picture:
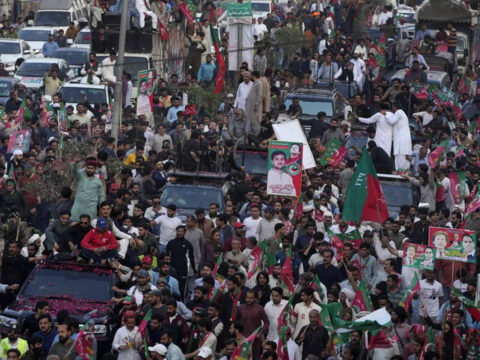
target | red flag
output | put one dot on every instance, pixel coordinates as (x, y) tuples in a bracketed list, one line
[(221, 70), (436, 155), (186, 12), (19, 117), (215, 269), (287, 272), (84, 345), (411, 291), (242, 349), (257, 255), (164, 35)]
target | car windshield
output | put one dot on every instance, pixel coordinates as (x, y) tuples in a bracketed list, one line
[(33, 69), (397, 195), (263, 7), (254, 163), (460, 44), (83, 38), (75, 95), (191, 197), (9, 48), (52, 18), (78, 284), (34, 35), (5, 87), (132, 65), (71, 56), (408, 17), (313, 106)]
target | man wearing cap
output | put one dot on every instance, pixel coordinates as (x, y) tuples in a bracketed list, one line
[(158, 352), (13, 341), (99, 245), (205, 353), (90, 193), (128, 340), (142, 286)]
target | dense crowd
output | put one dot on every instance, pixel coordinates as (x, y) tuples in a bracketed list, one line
[(80, 195)]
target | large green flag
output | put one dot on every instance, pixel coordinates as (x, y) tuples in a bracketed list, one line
[(364, 200), (241, 351)]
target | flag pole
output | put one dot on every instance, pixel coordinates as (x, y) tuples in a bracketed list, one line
[(378, 214)]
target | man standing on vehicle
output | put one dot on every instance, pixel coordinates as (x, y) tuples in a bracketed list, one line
[(168, 226), (402, 140), (108, 66), (99, 244), (52, 82), (49, 47)]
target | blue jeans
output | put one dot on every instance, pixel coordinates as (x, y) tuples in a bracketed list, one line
[(162, 248), (90, 254)]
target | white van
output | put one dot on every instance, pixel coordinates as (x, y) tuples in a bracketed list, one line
[(260, 8), (59, 13)]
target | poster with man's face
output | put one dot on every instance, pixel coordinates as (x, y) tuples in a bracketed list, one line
[(145, 87), (419, 256), (284, 168), (454, 244), (19, 140)]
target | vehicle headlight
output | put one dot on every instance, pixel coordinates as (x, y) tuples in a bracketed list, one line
[(7, 322)]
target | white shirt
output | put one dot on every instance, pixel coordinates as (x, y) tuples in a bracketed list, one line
[(150, 213), (135, 291), (108, 67), (242, 94), (273, 312), (259, 30), (384, 132), (383, 17), (280, 183), (430, 295), (131, 338), (300, 314), (168, 228), (251, 226), (426, 117)]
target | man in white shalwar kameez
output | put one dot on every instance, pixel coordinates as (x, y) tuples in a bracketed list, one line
[(384, 132), (402, 141), (144, 10), (359, 70), (243, 91)]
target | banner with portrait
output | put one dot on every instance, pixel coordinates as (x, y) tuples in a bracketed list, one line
[(19, 140), (419, 256), (453, 244), (145, 87), (284, 175)]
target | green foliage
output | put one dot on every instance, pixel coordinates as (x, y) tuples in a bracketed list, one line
[(290, 38)]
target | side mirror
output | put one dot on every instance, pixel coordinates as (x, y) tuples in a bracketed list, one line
[(69, 41), (27, 52)]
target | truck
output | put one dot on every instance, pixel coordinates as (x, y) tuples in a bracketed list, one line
[(59, 13)]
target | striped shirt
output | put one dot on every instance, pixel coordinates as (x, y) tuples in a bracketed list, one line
[(452, 38)]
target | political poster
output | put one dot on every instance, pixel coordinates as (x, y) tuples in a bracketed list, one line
[(453, 244), (419, 256), (284, 175), (19, 140), (146, 84)]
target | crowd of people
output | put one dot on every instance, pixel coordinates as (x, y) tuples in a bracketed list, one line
[(82, 196)]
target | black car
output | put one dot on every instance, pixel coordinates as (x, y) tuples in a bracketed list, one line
[(84, 290)]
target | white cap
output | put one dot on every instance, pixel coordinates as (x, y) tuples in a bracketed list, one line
[(308, 208), (230, 95), (52, 138), (205, 352), (327, 213), (34, 238), (17, 152), (159, 349)]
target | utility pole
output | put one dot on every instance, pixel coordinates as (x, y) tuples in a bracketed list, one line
[(117, 105)]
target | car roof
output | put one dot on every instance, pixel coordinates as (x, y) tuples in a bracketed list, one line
[(36, 28), (72, 49), (43, 60), (75, 84), (9, 79), (324, 92), (11, 40)]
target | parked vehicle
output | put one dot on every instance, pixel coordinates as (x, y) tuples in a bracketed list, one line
[(12, 50), (32, 71)]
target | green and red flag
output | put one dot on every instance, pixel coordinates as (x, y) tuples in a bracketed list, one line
[(464, 84), (460, 151), (215, 273), (185, 10), (84, 342), (142, 330), (317, 286), (286, 275), (437, 154), (20, 113), (219, 80), (362, 300), (326, 320), (429, 343), (257, 255), (338, 240), (470, 306), (284, 330), (458, 186), (242, 350), (298, 212), (421, 93), (474, 125), (334, 153), (332, 34), (364, 200), (410, 293)]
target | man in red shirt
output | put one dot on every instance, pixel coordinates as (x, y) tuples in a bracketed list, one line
[(99, 245)]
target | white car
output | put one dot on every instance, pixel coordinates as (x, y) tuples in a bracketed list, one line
[(83, 40), (32, 71), (13, 49), (73, 91), (36, 36)]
